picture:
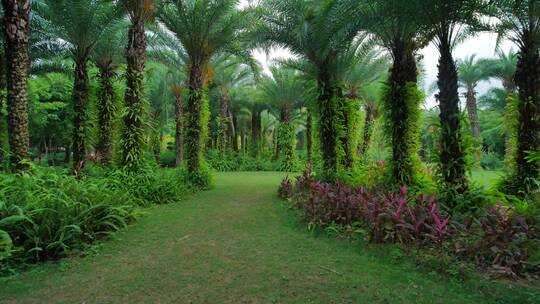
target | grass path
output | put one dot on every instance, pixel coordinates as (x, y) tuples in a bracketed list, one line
[(233, 244)]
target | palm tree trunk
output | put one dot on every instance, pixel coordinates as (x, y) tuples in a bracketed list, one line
[(344, 138), (107, 110), (368, 129), (242, 141), (452, 154), (133, 133), (285, 140), (156, 138), (80, 101), (2, 118), (472, 109), (528, 131), (223, 124), (402, 110), (16, 25), (179, 136), (329, 93), (309, 137), (195, 133), (234, 131), (255, 132)]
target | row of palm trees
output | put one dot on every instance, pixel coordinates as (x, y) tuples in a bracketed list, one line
[(328, 38)]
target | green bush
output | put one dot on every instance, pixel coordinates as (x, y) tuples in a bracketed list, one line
[(168, 159), (150, 186), (491, 161), (46, 213)]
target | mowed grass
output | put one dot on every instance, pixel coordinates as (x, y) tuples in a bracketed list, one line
[(486, 178), (238, 243)]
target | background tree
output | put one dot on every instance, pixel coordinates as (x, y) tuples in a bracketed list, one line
[(284, 90), (168, 50), (205, 28), (370, 96), (80, 24), (229, 72), (317, 32), (470, 74), (502, 68)]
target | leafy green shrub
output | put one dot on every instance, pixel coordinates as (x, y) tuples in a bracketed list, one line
[(46, 213), (168, 159), (235, 163), (491, 161), (150, 186)]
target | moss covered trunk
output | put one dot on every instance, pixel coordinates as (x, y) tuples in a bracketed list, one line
[(452, 155), (286, 140), (255, 133), (16, 25), (401, 101), (234, 131), (472, 110), (179, 130), (309, 137), (133, 132), (367, 133), (329, 92), (106, 116), (528, 128), (196, 119), (156, 137), (224, 132), (80, 103)]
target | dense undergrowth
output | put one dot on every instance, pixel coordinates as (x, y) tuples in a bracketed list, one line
[(46, 213), (238, 162), (496, 238)]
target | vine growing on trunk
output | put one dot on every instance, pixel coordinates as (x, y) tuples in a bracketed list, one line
[(286, 142)]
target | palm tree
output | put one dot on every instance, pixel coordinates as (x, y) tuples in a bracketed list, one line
[(362, 81), (80, 24), (107, 57), (449, 22), (520, 22), (396, 27), (205, 28), (229, 72), (371, 97), (470, 74), (318, 32), (168, 50), (139, 12), (284, 91), (255, 105), (159, 95), (16, 30), (503, 68)]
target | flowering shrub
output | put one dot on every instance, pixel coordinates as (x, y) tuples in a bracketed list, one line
[(496, 238)]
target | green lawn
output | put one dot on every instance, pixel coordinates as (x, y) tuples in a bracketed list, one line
[(237, 244), (486, 178)]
